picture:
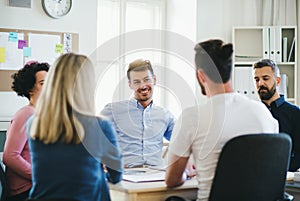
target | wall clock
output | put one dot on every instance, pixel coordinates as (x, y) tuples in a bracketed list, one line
[(57, 8)]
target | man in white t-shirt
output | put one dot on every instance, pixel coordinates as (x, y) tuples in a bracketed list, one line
[(202, 131)]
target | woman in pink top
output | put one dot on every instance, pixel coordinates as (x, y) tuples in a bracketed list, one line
[(27, 82)]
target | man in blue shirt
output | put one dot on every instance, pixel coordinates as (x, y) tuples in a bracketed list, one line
[(267, 79), (140, 124)]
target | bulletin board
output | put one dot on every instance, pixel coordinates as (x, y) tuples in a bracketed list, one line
[(19, 46)]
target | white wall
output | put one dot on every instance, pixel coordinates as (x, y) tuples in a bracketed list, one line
[(82, 20), (180, 77), (215, 18)]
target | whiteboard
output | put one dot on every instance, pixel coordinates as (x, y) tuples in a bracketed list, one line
[(14, 59), (43, 47)]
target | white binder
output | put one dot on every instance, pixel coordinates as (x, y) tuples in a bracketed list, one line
[(282, 88), (266, 42), (244, 82), (284, 49), (278, 44), (275, 44), (241, 75)]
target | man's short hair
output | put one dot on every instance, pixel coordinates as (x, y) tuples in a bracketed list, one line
[(139, 65), (267, 62), (215, 59)]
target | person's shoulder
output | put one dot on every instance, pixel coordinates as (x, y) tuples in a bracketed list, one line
[(25, 110), (251, 104), (94, 120), (118, 103), (103, 121), (164, 111), (194, 112), (23, 113), (247, 100), (292, 106), (160, 108)]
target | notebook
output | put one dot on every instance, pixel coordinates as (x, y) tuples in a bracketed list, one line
[(144, 175)]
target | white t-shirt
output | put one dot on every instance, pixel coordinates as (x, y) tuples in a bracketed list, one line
[(203, 130)]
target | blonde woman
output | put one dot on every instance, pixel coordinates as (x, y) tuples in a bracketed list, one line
[(69, 144)]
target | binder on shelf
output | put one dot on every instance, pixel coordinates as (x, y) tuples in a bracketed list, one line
[(278, 44), (284, 49), (272, 43), (275, 44), (241, 74), (282, 89), (266, 42), (291, 50)]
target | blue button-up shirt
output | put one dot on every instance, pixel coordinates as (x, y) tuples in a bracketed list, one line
[(140, 130), (288, 116)]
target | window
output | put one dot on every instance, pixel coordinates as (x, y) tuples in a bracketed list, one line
[(124, 22), (117, 18)]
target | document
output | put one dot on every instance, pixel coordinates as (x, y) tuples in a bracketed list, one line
[(290, 176), (144, 175)]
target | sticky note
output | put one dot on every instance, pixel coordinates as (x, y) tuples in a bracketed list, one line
[(59, 48), (26, 51), (2, 54), (13, 37), (21, 44)]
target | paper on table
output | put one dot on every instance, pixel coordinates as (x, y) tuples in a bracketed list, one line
[(148, 176), (290, 176)]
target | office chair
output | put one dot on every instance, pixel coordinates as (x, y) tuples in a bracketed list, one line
[(253, 168), (3, 184), (175, 198), (41, 199)]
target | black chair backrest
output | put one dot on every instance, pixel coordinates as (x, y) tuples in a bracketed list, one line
[(252, 168), (3, 184), (41, 199)]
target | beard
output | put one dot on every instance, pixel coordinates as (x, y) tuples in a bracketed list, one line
[(143, 97), (266, 95)]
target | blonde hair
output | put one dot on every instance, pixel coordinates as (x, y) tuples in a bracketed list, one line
[(68, 89)]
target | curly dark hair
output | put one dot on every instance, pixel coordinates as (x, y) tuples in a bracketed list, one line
[(25, 78)]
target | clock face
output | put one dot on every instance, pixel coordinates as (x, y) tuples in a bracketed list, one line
[(57, 8)]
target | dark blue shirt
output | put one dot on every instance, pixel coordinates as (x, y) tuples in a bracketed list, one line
[(74, 171), (288, 116)]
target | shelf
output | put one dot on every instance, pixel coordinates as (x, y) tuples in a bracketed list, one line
[(254, 43), (290, 99), (244, 63), (286, 63), (252, 62)]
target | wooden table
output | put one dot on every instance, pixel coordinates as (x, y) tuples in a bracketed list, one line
[(293, 188), (151, 191)]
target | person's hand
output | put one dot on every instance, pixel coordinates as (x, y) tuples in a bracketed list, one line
[(190, 170), (104, 169)]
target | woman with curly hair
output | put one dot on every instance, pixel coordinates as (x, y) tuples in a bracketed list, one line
[(27, 82)]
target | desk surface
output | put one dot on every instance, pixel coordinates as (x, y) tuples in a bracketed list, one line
[(131, 187), (292, 184), (293, 188), (151, 191)]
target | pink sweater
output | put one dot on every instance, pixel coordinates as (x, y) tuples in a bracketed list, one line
[(16, 155)]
